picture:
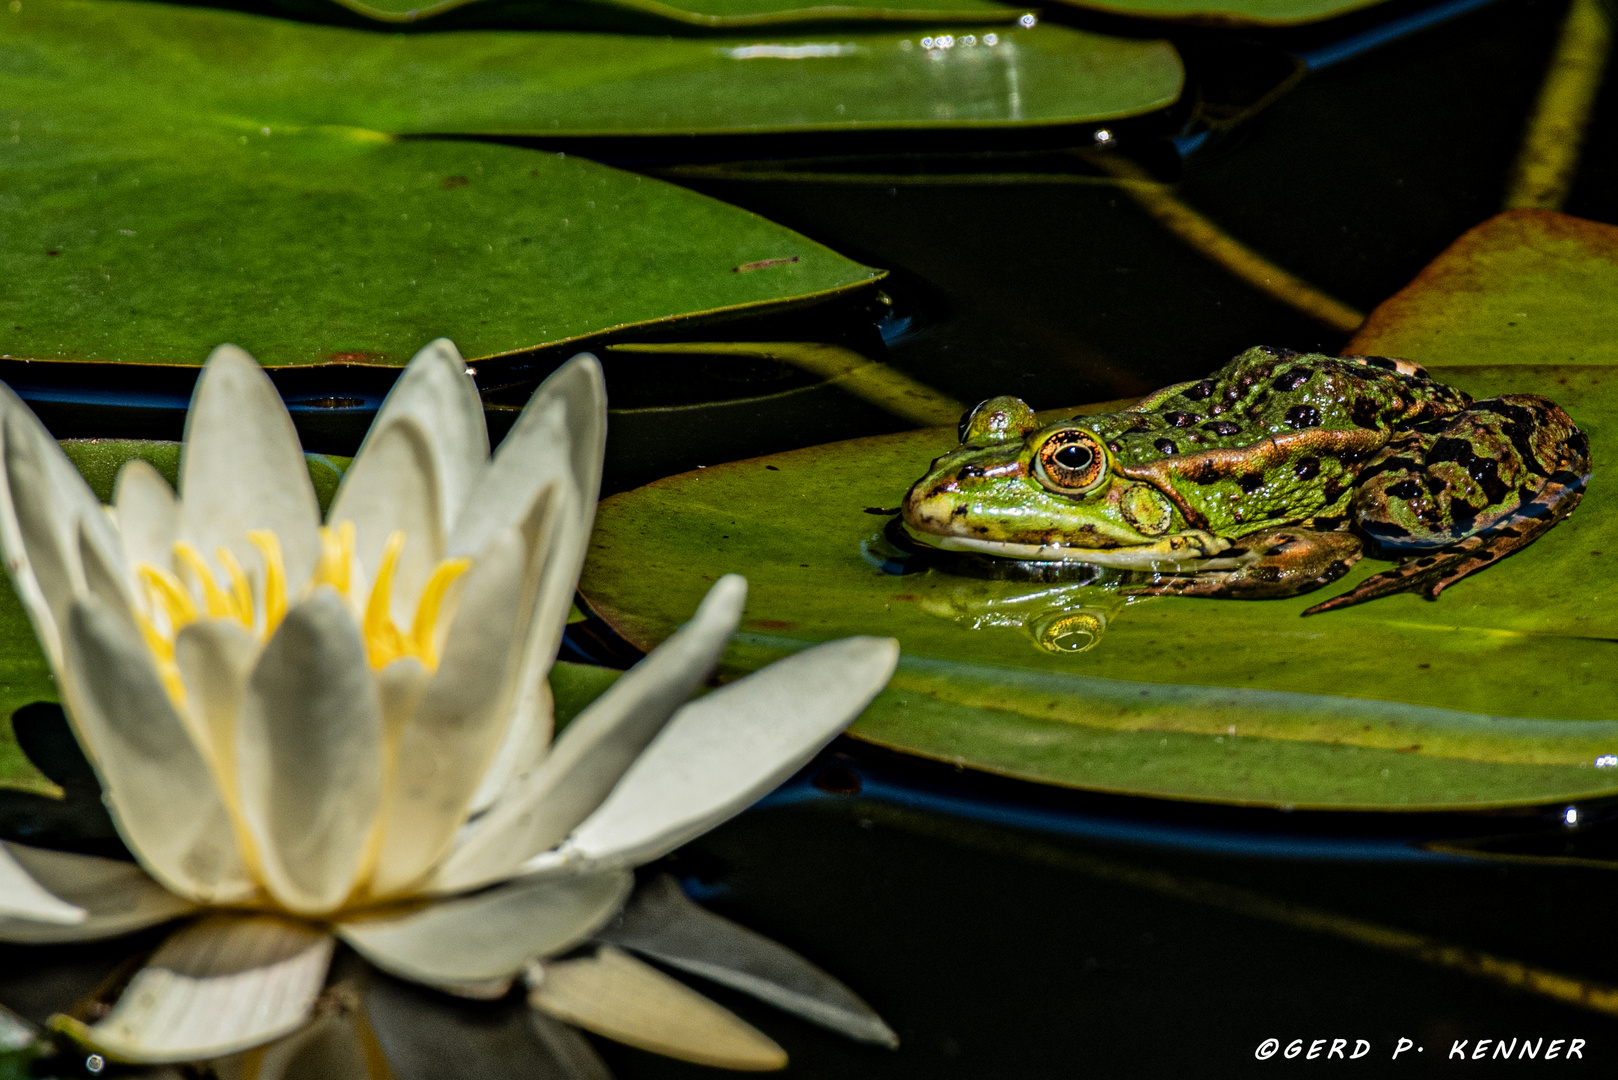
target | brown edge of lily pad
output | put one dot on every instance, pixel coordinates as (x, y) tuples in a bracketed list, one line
[(1456, 270)]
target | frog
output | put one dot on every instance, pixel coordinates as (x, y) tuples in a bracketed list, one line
[(1270, 478)]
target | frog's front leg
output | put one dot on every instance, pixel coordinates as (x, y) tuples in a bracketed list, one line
[(1280, 561), (1457, 494)]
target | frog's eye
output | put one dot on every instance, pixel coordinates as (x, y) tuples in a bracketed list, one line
[(996, 420), (1071, 463)]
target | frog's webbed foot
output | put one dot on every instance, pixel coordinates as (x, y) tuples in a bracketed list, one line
[(1464, 489), (1436, 571), (1278, 562)]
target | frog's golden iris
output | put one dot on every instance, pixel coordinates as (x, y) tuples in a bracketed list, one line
[(1268, 478), (1071, 462)]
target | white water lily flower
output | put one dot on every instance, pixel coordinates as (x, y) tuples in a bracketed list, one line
[(311, 732)]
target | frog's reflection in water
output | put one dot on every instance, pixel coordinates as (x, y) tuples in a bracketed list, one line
[(1060, 616)]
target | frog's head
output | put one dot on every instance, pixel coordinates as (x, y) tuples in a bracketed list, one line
[(1019, 490)]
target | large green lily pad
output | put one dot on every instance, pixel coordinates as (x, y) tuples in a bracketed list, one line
[(710, 14), (253, 72), (1228, 12), (177, 176), (1495, 694), (152, 238)]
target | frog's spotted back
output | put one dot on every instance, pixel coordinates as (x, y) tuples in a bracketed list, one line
[(1245, 484)]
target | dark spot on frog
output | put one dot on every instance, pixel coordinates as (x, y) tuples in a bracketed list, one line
[(1334, 491), (1380, 362), (959, 511), (1250, 482), (53, 252), (1233, 393), (1405, 489), (1221, 427), (1140, 422), (1365, 413), (1216, 408), (1201, 390), (1180, 419), (1303, 416), (1115, 448), (1205, 473), (1307, 468), (1166, 446), (772, 468), (1290, 379)]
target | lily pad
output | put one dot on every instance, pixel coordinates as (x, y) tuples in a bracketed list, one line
[(1230, 12), (249, 73), (1493, 695), (711, 14), (145, 229), (1524, 287)]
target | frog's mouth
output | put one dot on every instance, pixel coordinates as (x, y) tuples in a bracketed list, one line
[(1190, 546)]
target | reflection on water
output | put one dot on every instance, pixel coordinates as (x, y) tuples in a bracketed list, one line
[(1059, 616)]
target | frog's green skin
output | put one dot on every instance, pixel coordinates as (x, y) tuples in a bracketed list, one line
[(1264, 479)]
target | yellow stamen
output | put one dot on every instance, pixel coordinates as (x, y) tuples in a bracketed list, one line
[(336, 558), (432, 598), (275, 578), (381, 635), (240, 591), (168, 593), (218, 602)]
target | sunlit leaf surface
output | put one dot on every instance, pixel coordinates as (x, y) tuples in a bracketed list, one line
[(249, 72), (1493, 694)]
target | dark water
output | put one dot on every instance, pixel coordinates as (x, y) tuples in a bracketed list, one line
[(1012, 933)]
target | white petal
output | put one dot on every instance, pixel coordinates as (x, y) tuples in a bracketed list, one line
[(309, 755), (436, 393), (222, 984), (446, 746), (155, 779), (148, 514), (242, 468), (43, 502), (615, 995), (661, 923), (492, 934), (561, 435), (598, 747), (117, 897), (23, 897), (562, 431), (215, 657), (722, 752), (533, 715), (393, 486)]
